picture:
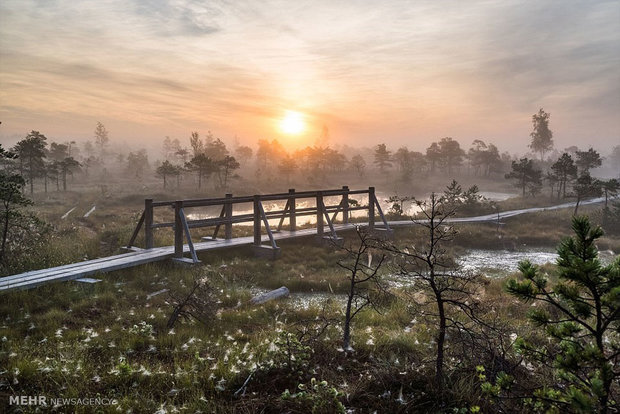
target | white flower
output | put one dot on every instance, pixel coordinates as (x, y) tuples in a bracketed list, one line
[(220, 385)]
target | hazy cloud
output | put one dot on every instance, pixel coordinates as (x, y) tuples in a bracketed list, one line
[(398, 70)]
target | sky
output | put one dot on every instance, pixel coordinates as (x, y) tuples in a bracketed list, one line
[(399, 72)]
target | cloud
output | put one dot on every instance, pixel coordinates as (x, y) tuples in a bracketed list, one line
[(410, 69)]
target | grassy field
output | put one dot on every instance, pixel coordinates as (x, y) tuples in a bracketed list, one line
[(111, 340)]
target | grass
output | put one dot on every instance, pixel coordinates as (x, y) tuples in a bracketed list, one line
[(110, 339)]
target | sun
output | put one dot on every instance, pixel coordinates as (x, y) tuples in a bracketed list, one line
[(293, 123)]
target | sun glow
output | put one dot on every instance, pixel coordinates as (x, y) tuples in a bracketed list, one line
[(293, 123)]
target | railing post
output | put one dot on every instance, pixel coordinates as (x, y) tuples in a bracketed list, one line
[(178, 230), (291, 206), (371, 208), (257, 218), (345, 204), (228, 216), (148, 223), (319, 213)]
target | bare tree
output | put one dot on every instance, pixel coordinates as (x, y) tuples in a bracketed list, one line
[(365, 285), (198, 302), (437, 279)]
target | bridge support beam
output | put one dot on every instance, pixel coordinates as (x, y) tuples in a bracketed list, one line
[(148, 223), (178, 230)]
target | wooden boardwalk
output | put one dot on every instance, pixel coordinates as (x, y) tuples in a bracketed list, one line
[(325, 228), (139, 256)]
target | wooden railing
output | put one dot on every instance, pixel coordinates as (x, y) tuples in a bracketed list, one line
[(325, 215)]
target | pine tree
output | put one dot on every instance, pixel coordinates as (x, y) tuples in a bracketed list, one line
[(581, 317)]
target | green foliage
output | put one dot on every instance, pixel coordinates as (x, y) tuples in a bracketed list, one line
[(290, 354), (526, 176), (465, 201), (314, 397), (581, 315)]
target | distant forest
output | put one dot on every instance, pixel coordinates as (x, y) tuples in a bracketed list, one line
[(202, 162)]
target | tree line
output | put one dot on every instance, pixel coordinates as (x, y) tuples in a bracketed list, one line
[(209, 160)]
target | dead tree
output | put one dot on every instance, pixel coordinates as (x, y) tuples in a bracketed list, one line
[(198, 302), (436, 277), (365, 285)]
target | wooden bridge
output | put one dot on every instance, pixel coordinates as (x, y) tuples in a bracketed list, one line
[(263, 240), (264, 237)]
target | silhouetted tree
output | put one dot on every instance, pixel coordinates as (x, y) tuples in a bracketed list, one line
[(451, 154), (182, 155), (31, 154), (243, 153), (565, 170), (525, 175), (358, 164), (215, 148), (542, 137), (203, 166), (167, 169), (11, 197), (170, 147), (225, 169), (433, 155), (102, 138), (196, 143), (382, 157), (287, 167), (269, 154), (137, 163), (405, 162), (585, 187), (586, 160), (335, 161), (58, 152), (67, 166), (609, 188), (484, 159)]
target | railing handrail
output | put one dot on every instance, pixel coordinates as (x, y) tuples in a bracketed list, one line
[(204, 202), (259, 216)]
